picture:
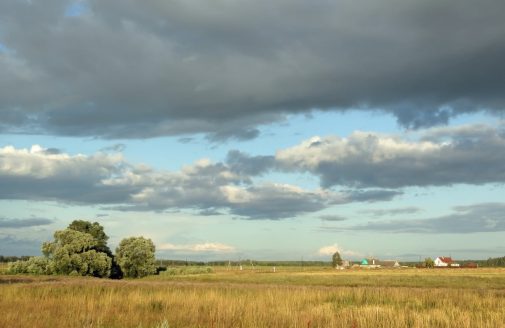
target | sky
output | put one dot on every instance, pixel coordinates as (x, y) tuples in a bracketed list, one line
[(267, 130)]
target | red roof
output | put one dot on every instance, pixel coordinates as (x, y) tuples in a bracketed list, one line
[(447, 260)]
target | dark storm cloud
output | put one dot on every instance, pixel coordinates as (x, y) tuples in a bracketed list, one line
[(472, 154), (23, 223), (488, 217), (140, 69)]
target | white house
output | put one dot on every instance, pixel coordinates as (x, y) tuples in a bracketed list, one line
[(443, 261)]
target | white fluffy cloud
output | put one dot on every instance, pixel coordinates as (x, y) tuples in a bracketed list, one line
[(471, 154), (41, 163), (47, 174), (108, 179), (204, 247), (331, 249)]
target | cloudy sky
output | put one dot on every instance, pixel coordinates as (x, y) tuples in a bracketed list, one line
[(256, 129)]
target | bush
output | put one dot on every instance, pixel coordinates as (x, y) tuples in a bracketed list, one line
[(34, 265), (187, 271), (135, 256)]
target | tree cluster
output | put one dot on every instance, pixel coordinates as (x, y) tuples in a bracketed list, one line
[(495, 262), (81, 250), (429, 263), (6, 259)]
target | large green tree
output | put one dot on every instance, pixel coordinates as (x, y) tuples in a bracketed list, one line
[(98, 233), (74, 253), (95, 230), (135, 256)]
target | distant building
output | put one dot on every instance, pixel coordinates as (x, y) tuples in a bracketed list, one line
[(443, 261), (372, 263), (389, 264), (471, 265), (345, 264)]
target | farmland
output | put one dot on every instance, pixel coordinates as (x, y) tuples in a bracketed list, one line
[(290, 297)]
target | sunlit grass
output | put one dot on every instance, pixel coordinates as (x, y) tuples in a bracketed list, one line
[(454, 278), (3, 267), (260, 298)]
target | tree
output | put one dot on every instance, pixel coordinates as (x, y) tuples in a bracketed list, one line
[(74, 253), (336, 259), (429, 263), (95, 230), (135, 256), (98, 233)]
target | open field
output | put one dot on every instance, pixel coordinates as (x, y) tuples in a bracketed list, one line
[(316, 297)]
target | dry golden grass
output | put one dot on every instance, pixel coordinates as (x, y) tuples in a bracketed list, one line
[(3, 267), (453, 278), (254, 299)]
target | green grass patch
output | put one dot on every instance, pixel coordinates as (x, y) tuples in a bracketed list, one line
[(184, 271)]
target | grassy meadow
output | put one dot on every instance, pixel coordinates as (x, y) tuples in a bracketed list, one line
[(290, 297), (3, 267)]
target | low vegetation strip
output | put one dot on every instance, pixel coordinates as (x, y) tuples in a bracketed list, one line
[(177, 271), (295, 299), (415, 278)]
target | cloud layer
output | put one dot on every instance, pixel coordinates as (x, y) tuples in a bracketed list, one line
[(199, 248), (367, 167), (393, 211), (23, 223), (108, 179), (331, 249), (472, 154), (140, 69), (465, 219)]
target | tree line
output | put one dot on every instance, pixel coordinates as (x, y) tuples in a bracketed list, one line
[(81, 250), (7, 259)]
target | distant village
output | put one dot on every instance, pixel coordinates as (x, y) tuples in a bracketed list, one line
[(373, 263)]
